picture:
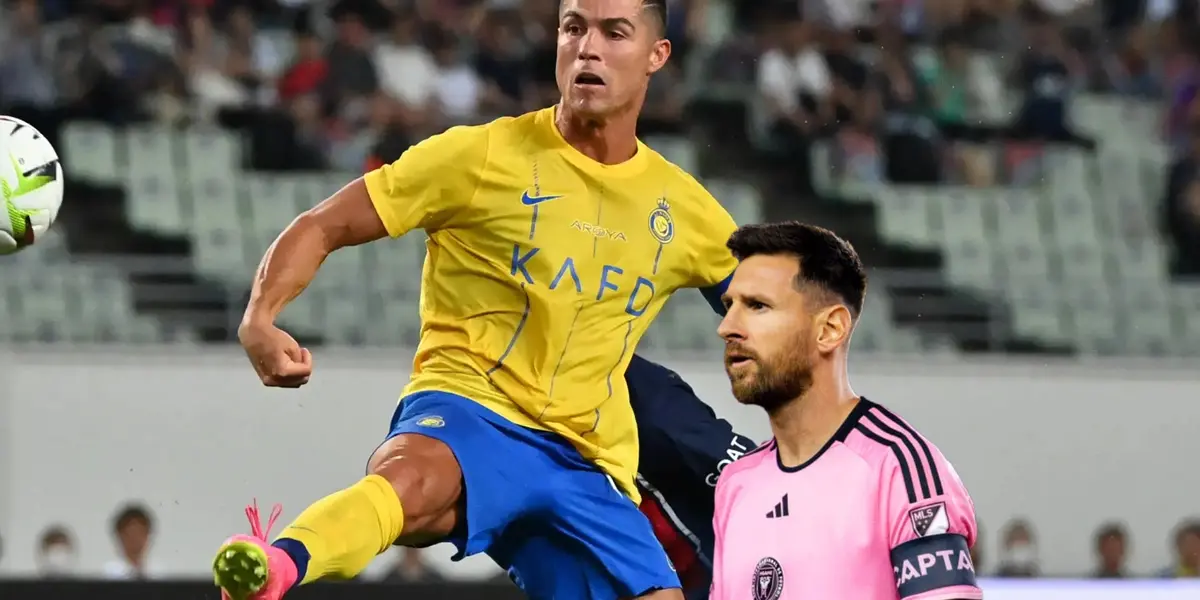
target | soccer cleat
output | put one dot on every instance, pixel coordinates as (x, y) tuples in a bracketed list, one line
[(248, 567)]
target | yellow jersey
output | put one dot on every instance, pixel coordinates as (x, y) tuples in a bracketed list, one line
[(543, 270)]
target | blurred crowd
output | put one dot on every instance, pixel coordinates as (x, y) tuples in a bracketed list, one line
[(1111, 546), (316, 84), (960, 92), (907, 91), (133, 529)]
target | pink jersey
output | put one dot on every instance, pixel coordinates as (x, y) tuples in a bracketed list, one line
[(877, 514)]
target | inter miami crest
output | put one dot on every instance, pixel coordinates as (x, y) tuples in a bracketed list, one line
[(768, 580), (930, 520)]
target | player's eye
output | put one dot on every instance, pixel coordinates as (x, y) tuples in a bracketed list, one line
[(573, 29), (616, 35), (755, 305)]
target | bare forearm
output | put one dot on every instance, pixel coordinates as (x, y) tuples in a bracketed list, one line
[(345, 219), (287, 268)]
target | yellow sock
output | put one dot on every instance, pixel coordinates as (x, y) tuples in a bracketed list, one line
[(344, 531)]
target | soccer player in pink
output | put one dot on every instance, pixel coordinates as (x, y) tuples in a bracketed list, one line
[(848, 501)]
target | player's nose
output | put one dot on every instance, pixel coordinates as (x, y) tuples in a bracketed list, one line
[(729, 329), (589, 46)]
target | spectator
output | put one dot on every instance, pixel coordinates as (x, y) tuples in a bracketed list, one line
[(960, 92), (1018, 554), (795, 87), (459, 89), (1181, 81), (850, 79), (1180, 221), (26, 64), (500, 64), (407, 70), (310, 145), (56, 557), (411, 567), (251, 59), (664, 109), (1045, 76), (794, 81), (1187, 551), (212, 84), (308, 70), (133, 528), (1132, 70), (1111, 546), (264, 53), (355, 150), (909, 136), (352, 79), (947, 78)]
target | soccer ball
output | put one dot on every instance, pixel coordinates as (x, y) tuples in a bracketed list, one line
[(31, 184)]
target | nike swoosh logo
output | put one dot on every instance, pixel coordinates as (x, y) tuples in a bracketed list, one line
[(528, 200)]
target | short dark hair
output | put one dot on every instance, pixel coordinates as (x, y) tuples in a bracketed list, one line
[(658, 11), (55, 534), (1185, 529), (131, 513), (1110, 530), (826, 260)]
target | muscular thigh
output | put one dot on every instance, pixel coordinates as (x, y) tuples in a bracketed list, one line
[(427, 479), (463, 473)]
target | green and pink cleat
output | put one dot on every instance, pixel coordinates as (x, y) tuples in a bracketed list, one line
[(248, 567)]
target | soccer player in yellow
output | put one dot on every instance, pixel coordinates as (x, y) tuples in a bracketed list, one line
[(554, 238)]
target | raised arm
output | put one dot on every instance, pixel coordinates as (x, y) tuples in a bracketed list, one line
[(347, 218), (427, 188)]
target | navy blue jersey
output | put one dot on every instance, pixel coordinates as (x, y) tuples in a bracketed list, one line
[(684, 447)]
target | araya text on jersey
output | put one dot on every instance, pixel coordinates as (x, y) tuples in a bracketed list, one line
[(600, 232), (943, 561), (612, 279)]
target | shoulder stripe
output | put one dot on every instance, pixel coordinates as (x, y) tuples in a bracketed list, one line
[(767, 445), (885, 429), (933, 470), (895, 447)]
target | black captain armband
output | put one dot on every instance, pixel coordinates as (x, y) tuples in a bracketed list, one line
[(932, 563)]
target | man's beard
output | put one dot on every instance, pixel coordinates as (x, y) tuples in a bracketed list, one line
[(776, 383)]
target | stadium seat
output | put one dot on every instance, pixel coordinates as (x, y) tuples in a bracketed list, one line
[(209, 152), (1037, 310), (905, 216), (89, 152), (969, 262), (150, 149), (1080, 261), (961, 215), (153, 202)]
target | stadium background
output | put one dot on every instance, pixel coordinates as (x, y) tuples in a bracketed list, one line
[(1019, 176)]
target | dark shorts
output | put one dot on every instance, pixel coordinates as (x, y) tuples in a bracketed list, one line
[(537, 507)]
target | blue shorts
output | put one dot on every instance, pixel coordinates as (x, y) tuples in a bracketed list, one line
[(537, 507)]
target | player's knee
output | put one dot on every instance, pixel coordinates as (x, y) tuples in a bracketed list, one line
[(427, 479)]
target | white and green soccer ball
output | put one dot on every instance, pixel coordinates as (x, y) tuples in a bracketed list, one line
[(31, 184)]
